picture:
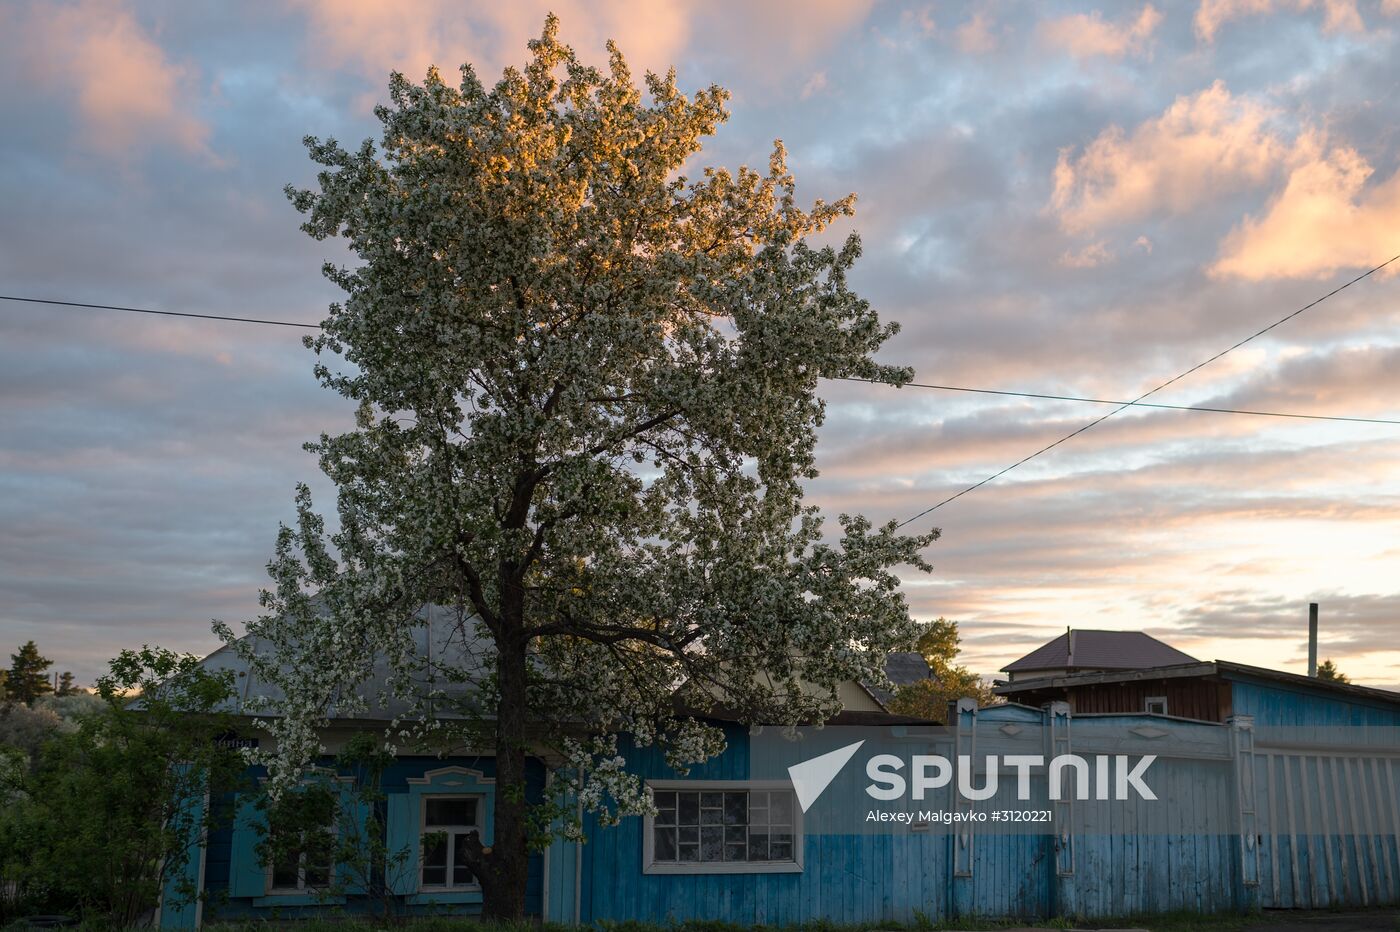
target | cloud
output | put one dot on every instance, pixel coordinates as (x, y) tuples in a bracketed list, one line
[(1351, 624), (1086, 35), (1091, 256), (815, 85), (1326, 218), (376, 36), (129, 94), (1338, 15), (977, 35), (1204, 145)]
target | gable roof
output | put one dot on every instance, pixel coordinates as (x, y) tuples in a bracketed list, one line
[(444, 639), (902, 667), (1226, 669), (1091, 649), (452, 660)]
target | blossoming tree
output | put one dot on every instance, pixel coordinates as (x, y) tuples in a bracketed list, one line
[(586, 382)]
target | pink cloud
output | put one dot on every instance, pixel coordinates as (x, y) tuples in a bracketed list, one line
[(1326, 218), (977, 35), (127, 90), (1338, 15), (1086, 35), (374, 37), (1204, 145), (1091, 256)]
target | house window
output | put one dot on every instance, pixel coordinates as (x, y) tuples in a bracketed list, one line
[(1156, 705), (723, 827), (301, 861), (448, 821)]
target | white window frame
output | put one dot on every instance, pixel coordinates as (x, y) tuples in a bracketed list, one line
[(1153, 700), (302, 887), (269, 869), (651, 866), (423, 831)]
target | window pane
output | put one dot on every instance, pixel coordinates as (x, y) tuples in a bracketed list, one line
[(441, 812), (780, 809), (736, 808), (317, 875), (664, 799), (712, 843), (666, 815), (734, 852), (435, 850), (320, 850), (758, 846), (434, 876), (689, 852), (711, 800), (284, 875), (688, 808), (663, 844), (711, 816), (461, 874), (781, 847), (690, 835)]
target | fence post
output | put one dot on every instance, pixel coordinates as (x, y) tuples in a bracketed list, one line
[(1061, 840), (963, 836), (1247, 825)]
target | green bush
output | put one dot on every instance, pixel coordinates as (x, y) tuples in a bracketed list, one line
[(104, 810)]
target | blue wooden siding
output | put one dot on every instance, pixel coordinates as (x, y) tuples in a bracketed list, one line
[(235, 879), (1248, 820), (1184, 852), (1274, 704)]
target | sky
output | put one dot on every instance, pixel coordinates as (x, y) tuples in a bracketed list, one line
[(1057, 198)]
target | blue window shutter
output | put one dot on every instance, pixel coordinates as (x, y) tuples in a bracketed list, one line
[(356, 822), (179, 902), (401, 869), (247, 875)]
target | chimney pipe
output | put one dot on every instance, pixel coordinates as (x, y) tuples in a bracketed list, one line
[(1312, 639)]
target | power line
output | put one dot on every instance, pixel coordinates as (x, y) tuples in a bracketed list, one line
[(146, 310), (1136, 404), (928, 385), (1176, 378)]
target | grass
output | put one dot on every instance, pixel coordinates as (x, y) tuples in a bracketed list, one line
[(1174, 922), (1169, 922)]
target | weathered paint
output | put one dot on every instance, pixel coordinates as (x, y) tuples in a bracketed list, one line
[(235, 878), (1277, 704), (181, 902), (1119, 860)]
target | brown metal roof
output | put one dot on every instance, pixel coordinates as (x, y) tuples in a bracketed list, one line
[(1089, 649), (1198, 668)]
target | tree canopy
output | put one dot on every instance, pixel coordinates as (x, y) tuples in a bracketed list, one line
[(947, 681), (1327, 670), (586, 376), (28, 678)]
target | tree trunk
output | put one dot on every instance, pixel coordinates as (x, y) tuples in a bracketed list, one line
[(504, 895)]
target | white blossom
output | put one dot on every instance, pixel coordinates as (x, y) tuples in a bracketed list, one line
[(586, 375)]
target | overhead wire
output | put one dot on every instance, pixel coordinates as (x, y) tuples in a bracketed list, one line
[(1152, 391)]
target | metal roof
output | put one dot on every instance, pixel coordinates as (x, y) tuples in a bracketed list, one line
[(445, 639), (1090, 649), (902, 667), (1196, 668)]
